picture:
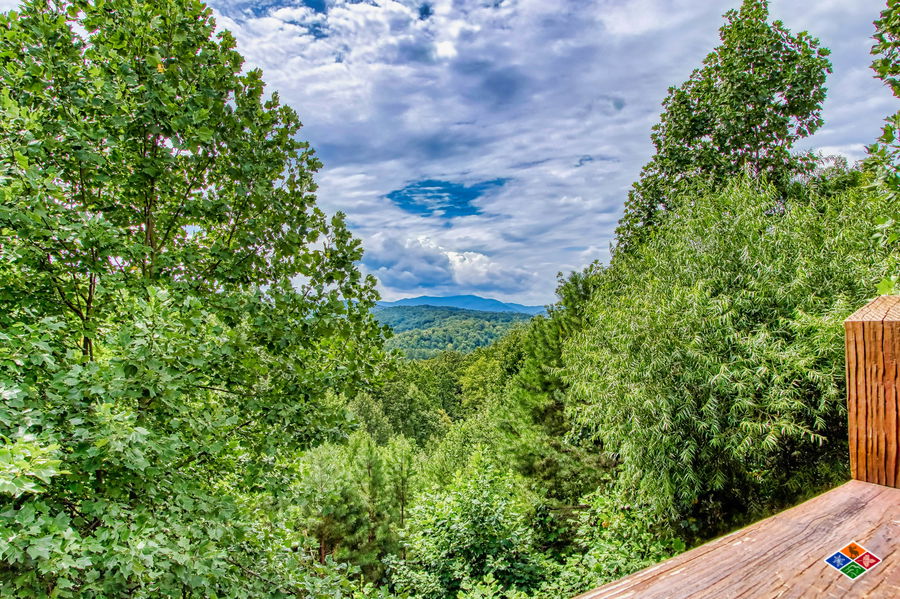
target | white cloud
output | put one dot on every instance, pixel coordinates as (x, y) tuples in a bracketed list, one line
[(852, 152), (472, 270), (636, 17), (410, 266), (445, 49), (409, 263)]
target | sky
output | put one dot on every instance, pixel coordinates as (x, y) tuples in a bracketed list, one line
[(483, 146)]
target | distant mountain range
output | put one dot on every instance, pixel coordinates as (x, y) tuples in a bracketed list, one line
[(466, 302)]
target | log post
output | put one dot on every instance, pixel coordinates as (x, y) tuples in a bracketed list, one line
[(873, 380)]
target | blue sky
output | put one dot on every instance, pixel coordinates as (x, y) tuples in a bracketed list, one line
[(482, 146)]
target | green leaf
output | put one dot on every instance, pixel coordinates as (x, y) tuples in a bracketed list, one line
[(887, 286)]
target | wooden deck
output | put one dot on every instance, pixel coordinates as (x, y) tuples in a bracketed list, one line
[(783, 556)]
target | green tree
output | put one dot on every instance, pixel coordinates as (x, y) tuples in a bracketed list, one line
[(423, 332), (477, 528), (175, 310), (539, 382), (549, 448), (349, 501), (402, 465), (419, 399), (488, 588), (369, 415), (756, 94), (378, 536), (713, 363), (884, 156), (329, 498), (614, 538)]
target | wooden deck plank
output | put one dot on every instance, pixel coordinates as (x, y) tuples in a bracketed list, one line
[(783, 556)]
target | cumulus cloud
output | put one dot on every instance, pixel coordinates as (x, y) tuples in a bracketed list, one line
[(408, 264), (418, 265), (472, 270), (412, 108)]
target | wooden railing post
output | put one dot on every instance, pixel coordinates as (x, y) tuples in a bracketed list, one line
[(873, 381)]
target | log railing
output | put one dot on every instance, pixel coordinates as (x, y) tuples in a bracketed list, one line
[(873, 381)]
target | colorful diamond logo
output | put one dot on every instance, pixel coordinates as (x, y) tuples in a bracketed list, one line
[(853, 560)]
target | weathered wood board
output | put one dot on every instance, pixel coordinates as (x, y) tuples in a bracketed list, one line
[(873, 380), (783, 556)]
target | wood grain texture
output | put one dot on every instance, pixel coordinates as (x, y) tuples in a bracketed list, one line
[(873, 378), (878, 309), (892, 402), (783, 556)]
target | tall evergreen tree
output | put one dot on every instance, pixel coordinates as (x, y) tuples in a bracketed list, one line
[(550, 450)]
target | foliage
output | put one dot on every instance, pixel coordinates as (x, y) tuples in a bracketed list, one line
[(615, 538), (566, 464), (488, 588), (475, 528), (884, 156), (407, 318), (25, 464), (417, 400), (367, 411), (713, 364), (175, 309), (422, 332), (351, 500), (539, 382), (755, 95)]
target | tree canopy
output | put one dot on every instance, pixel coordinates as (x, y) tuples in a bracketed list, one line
[(174, 307), (756, 94), (425, 331), (713, 363)]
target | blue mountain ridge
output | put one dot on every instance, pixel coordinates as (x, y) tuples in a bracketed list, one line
[(466, 302)]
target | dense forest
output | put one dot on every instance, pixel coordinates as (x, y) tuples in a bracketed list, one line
[(196, 399), (422, 332)]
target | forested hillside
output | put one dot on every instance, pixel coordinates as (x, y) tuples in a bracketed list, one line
[(196, 398), (424, 331)]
